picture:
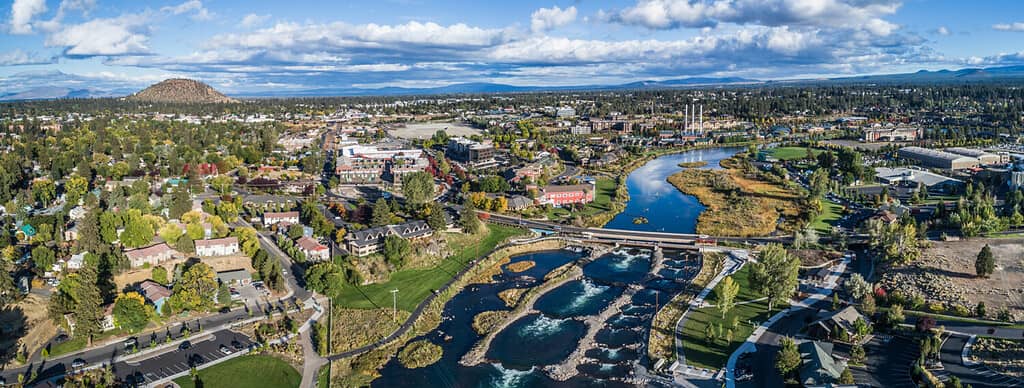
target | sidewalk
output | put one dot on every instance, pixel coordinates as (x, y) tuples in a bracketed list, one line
[(821, 293)]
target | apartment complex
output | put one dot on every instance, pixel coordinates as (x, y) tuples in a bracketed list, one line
[(358, 164), (369, 241), (468, 151)]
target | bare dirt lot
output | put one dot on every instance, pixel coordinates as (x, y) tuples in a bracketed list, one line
[(222, 263), (28, 317), (945, 273), (426, 130)]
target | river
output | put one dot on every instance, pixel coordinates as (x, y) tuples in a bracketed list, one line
[(519, 353), (666, 208)]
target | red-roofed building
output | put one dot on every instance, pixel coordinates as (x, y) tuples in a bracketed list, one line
[(559, 195), (202, 169), (313, 249)]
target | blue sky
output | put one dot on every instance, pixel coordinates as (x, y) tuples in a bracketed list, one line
[(253, 46)]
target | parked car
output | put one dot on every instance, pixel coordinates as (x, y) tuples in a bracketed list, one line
[(225, 350), (131, 342), (77, 363), (185, 345), (237, 345)]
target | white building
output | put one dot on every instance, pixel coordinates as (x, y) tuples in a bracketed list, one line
[(217, 247), (274, 218)]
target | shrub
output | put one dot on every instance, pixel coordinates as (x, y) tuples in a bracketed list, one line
[(961, 310)]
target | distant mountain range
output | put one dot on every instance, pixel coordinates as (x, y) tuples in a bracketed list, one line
[(202, 94)]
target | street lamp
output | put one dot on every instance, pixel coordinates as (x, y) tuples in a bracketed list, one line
[(394, 305)]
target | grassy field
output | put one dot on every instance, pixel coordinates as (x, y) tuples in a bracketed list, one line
[(698, 350), (792, 153), (414, 285), (79, 343), (246, 371), (830, 213)]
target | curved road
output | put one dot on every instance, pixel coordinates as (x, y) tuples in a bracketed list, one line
[(978, 376)]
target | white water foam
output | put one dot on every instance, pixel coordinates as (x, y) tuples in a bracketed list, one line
[(510, 378), (542, 326), (607, 367), (590, 290), (628, 258)]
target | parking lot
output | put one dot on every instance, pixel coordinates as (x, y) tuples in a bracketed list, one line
[(182, 359)]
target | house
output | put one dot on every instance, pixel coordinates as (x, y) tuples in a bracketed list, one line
[(818, 367), (559, 195), (312, 249), (274, 218), (155, 293), (835, 324), (519, 202), (152, 255), (76, 262), (107, 323), (217, 247), (368, 241), (234, 276), (71, 233)]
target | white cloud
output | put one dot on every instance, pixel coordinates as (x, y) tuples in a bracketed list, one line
[(253, 20), (545, 19), (124, 35), (1018, 26), (338, 35), (850, 14), (201, 13), (20, 57), (22, 12), (942, 30)]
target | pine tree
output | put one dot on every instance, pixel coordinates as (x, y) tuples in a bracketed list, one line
[(986, 263), (381, 213), (88, 313), (788, 358)]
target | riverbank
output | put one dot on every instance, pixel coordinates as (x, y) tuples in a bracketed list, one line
[(661, 342), (361, 370), (741, 200)]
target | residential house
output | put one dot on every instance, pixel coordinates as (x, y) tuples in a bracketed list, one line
[(368, 241), (152, 255), (312, 249), (274, 218), (818, 367), (71, 233), (519, 202), (217, 247), (155, 293), (835, 324)]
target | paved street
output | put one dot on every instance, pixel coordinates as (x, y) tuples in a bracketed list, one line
[(176, 360), (977, 376)]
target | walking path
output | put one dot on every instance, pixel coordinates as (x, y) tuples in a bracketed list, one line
[(734, 260), (820, 294)]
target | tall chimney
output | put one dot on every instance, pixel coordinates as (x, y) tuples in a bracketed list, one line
[(686, 117), (701, 118)]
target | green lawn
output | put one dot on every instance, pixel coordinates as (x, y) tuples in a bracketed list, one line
[(792, 153), (713, 355), (414, 285), (830, 213), (246, 371)]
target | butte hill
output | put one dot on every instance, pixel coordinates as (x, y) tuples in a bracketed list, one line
[(181, 91)]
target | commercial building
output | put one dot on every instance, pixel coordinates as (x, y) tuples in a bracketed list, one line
[(152, 255), (235, 276), (369, 241), (875, 134), (468, 151), (312, 249), (938, 159), (903, 176), (217, 247), (560, 195), (358, 164), (983, 156), (274, 218)]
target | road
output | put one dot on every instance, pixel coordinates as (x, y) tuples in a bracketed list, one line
[(978, 376)]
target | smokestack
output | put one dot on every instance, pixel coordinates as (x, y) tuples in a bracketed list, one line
[(701, 118), (686, 117)]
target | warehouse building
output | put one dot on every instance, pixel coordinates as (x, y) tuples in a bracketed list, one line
[(983, 156), (938, 158)]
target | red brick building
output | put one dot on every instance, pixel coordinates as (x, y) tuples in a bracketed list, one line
[(559, 195)]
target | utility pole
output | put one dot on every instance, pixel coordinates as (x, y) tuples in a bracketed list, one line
[(394, 304)]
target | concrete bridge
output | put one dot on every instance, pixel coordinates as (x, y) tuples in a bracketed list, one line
[(628, 237)]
